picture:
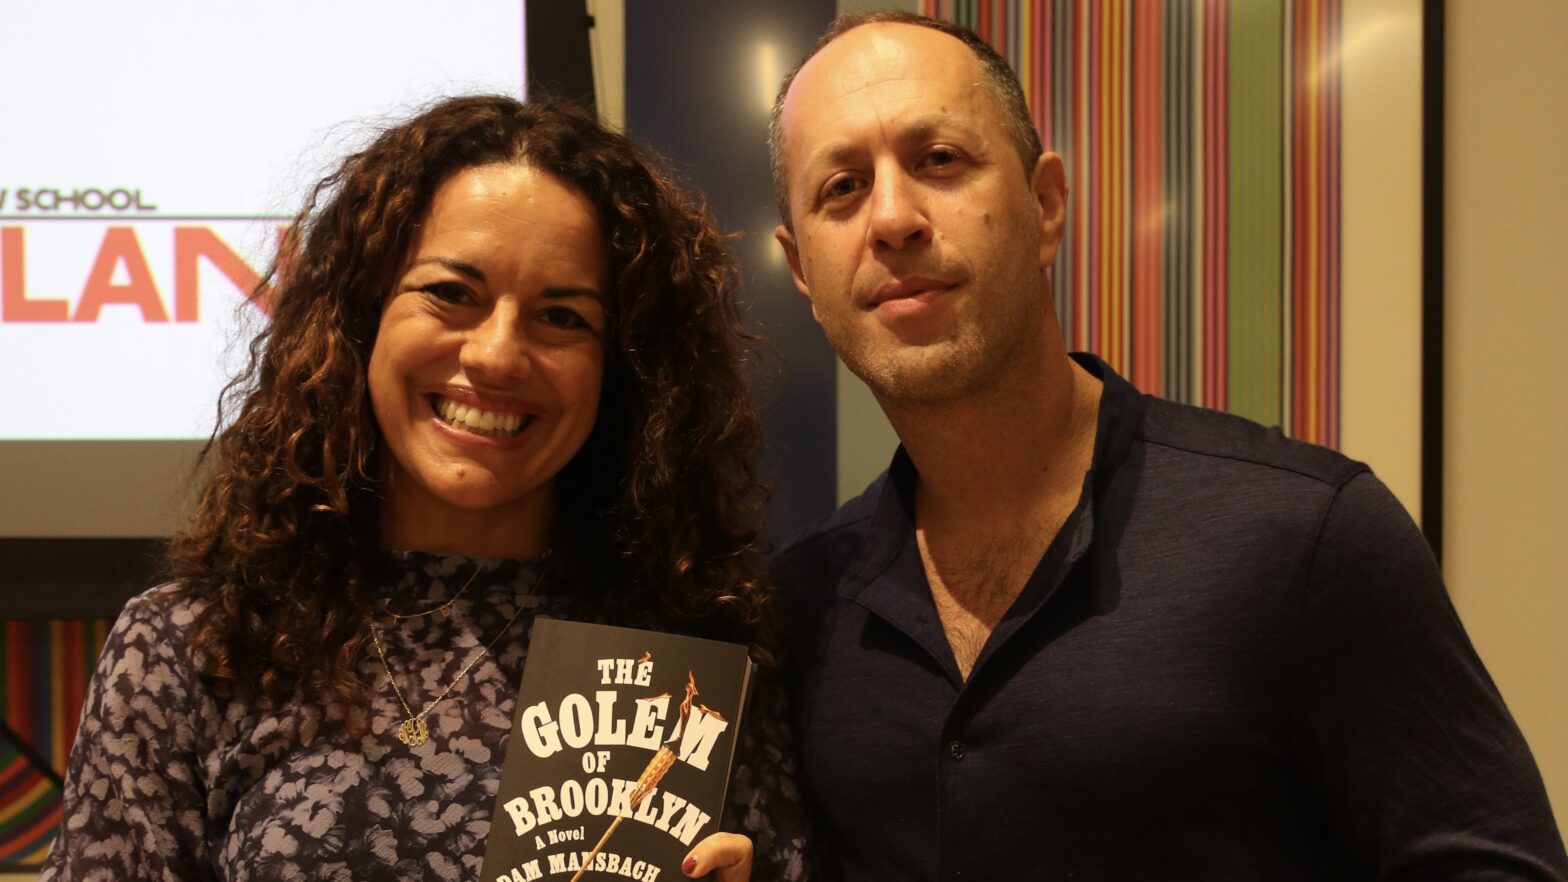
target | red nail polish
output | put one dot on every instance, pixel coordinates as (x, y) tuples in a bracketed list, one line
[(690, 866)]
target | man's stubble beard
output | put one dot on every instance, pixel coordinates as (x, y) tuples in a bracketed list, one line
[(962, 365)]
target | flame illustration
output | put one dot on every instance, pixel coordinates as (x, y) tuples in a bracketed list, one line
[(685, 709), (654, 772)]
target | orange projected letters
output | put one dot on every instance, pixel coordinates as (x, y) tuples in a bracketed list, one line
[(194, 243), (121, 247), (14, 305)]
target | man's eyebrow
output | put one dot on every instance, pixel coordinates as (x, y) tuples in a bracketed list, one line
[(456, 266), (919, 129), (836, 153), (926, 126)]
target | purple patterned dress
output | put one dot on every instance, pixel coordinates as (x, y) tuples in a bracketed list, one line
[(173, 778)]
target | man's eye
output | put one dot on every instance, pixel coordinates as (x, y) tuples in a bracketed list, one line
[(840, 187), (941, 157)]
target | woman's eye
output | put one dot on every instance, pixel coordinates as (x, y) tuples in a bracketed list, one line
[(562, 317), (447, 292)]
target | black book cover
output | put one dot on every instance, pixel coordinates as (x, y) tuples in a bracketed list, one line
[(619, 755)]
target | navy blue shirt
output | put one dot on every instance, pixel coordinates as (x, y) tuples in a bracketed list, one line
[(1236, 660)]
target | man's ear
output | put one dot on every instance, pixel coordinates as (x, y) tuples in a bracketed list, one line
[(1049, 184), (792, 254)]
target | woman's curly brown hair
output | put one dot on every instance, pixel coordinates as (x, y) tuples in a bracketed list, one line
[(659, 512)]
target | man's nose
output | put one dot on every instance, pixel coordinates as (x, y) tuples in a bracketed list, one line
[(898, 217)]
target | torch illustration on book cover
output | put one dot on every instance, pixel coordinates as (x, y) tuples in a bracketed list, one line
[(607, 775)]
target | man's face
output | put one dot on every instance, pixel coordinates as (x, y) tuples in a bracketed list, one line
[(918, 237)]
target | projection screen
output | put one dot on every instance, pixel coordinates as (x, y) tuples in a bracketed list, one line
[(150, 156)]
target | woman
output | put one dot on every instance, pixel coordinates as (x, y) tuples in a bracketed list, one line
[(502, 378)]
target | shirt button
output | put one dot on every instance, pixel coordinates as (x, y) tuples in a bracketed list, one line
[(955, 749)]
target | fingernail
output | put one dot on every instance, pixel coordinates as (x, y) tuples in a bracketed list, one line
[(690, 866)]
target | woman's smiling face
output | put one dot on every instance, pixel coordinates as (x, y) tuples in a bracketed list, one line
[(487, 367)]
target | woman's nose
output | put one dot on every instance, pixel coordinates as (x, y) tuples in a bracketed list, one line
[(498, 347)]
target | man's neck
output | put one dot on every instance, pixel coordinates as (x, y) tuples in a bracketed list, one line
[(1006, 449)]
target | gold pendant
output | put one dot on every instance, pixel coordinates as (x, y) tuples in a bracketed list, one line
[(413, 732)]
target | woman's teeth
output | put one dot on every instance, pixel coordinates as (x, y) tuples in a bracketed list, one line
[(480, 422)]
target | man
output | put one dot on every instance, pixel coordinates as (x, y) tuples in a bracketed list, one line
[(1075, 632)]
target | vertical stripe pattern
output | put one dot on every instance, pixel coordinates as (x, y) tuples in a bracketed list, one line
[(1201, 141), (48, 664)]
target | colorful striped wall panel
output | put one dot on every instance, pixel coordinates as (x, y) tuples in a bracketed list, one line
[(47, 667), (29, 808), (1202, 145)]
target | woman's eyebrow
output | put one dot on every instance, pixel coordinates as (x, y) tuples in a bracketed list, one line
[(456, 266), (570, 291)]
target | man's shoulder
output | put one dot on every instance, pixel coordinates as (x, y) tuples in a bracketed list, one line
[(833, 542), (846, 521), (1212, 441)]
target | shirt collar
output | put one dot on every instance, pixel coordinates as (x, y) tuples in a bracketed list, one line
[(893, 523)]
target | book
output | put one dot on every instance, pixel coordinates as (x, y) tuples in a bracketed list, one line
[(619, 756)]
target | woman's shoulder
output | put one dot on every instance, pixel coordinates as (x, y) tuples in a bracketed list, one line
[(169, 608), (151, 638)]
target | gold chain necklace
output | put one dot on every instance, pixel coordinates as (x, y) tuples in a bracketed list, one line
[(414, 730), (441, 608)]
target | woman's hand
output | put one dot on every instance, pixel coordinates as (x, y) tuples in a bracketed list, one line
[(726, 855)]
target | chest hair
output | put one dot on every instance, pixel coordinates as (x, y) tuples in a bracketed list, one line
[(976, 577)]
